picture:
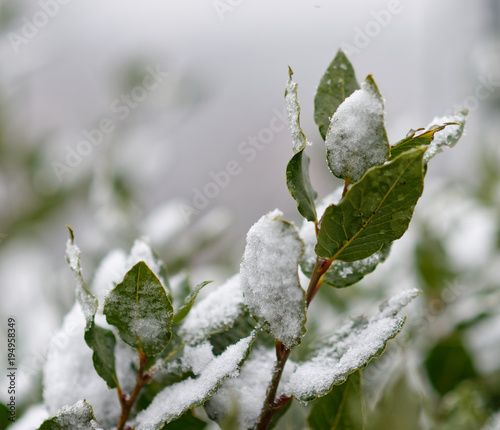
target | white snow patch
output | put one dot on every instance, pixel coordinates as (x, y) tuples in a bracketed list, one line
[(356, 139), (449, 136), (269, 277)]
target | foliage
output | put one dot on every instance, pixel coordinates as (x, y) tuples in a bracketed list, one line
[(160, 352)]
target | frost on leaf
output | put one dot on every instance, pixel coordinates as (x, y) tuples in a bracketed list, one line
[(87, 300), (214, 313), (293, 109), (170, 403), (269, 278), (76, 417), (356, 139), (449, 136), (349, 348), (141, 311)]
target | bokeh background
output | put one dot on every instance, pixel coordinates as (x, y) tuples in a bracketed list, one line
[(221, 68)]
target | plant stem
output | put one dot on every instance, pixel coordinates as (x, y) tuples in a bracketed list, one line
[(271, 406), (141, 380)]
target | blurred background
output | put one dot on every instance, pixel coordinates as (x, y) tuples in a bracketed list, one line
[(125, 119)]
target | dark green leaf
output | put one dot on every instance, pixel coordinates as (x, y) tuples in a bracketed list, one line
[(186, 422), (356, 139), (338, 82), (342, 274), (242, 327), (141, 311), (188, 303), (411, 141), (102, 342), (78, 416), (449, 363), (341, 409), (299, 185), (375, 211), (4, 413)]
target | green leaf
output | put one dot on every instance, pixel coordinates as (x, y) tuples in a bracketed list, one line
[(342, 408), (87, 300), (342, 274), (141, 311), (4, 412), (188, 303), (356, 139), (269, 278), (186, 422), (293, 109), (338, 82), (102, 342), (411, 141), (375, 211), (299, 185), (170, 403), (75, 417), (351, 347)]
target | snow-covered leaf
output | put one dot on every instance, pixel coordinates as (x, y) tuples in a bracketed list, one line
[(269, 278), (87, 300), (449, 136), (188, 303), (174, 400), (342, 408), (349, 348), (141, 311), (297, 170), (356, 139), (76, 417), (338, 82), (375, 211), (293, 110), (214, 313)]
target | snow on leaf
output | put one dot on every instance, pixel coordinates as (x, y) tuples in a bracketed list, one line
[(76, 417), (215, 313), (141, 311), (356, 139), (174, 400), (375, 211), (449, 136), (87, 300), (349, 348), (269, 278), (293, 109)]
